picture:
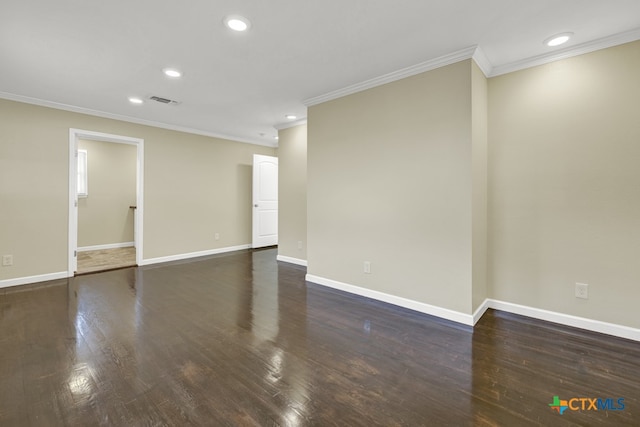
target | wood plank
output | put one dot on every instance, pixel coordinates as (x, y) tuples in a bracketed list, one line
[(105, 260)]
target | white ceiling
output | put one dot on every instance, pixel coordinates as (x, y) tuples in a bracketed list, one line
[(90, 55)]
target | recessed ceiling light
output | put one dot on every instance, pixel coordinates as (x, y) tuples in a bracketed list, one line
[(237, 23), (290, 116), (558, 39), (135, 100), (276, 137), (172, 72)]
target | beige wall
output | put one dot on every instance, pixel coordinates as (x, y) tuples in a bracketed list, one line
[(390, 182), (34, 190), (292, 203), (104, 217), (195, 186), (564, 185)]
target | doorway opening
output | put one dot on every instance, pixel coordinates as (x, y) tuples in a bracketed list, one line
[(86, 258)]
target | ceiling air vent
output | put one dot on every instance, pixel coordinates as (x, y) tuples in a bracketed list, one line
[(164, 100)]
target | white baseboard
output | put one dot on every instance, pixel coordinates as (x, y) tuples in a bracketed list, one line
[(445, 313), (480, 311), (290, 260), (181, 257), (33, 279), (466, 319), (455, 316), (108, 246), (567, 319)]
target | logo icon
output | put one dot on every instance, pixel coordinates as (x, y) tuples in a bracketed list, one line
[(587, 404), (559, 405)]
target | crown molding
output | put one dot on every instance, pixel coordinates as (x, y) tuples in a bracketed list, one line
[(281, 126), (581, 49), (422, 67), (477, 54), (473, 52), (482, 62), (90, 112)]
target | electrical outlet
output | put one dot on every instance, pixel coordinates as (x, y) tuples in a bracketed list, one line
[(7, 260), (582, 290), (367, 267), (299, 244), (216, 236)]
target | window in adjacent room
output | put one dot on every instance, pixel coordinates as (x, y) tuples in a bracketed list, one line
[(83, 187)]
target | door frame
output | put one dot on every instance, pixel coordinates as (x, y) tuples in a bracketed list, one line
[(74, 135)]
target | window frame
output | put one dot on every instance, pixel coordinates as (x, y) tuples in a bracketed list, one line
[(82, 186)]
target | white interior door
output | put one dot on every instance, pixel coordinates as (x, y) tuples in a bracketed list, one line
[(265, 201)]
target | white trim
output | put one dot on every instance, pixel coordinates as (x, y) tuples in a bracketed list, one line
[(567, 319), (72, 262), (444, 313), (96, 113), (422, 67), (105, 137), (180, 257), (33, 279), (581, 49), (471, 52), (290, 260), (108, 246), (480, 311), (482, 62), (455, 316), (74, 135), (281, 126)]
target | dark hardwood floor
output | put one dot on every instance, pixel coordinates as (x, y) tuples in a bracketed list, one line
[(239, 339)]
